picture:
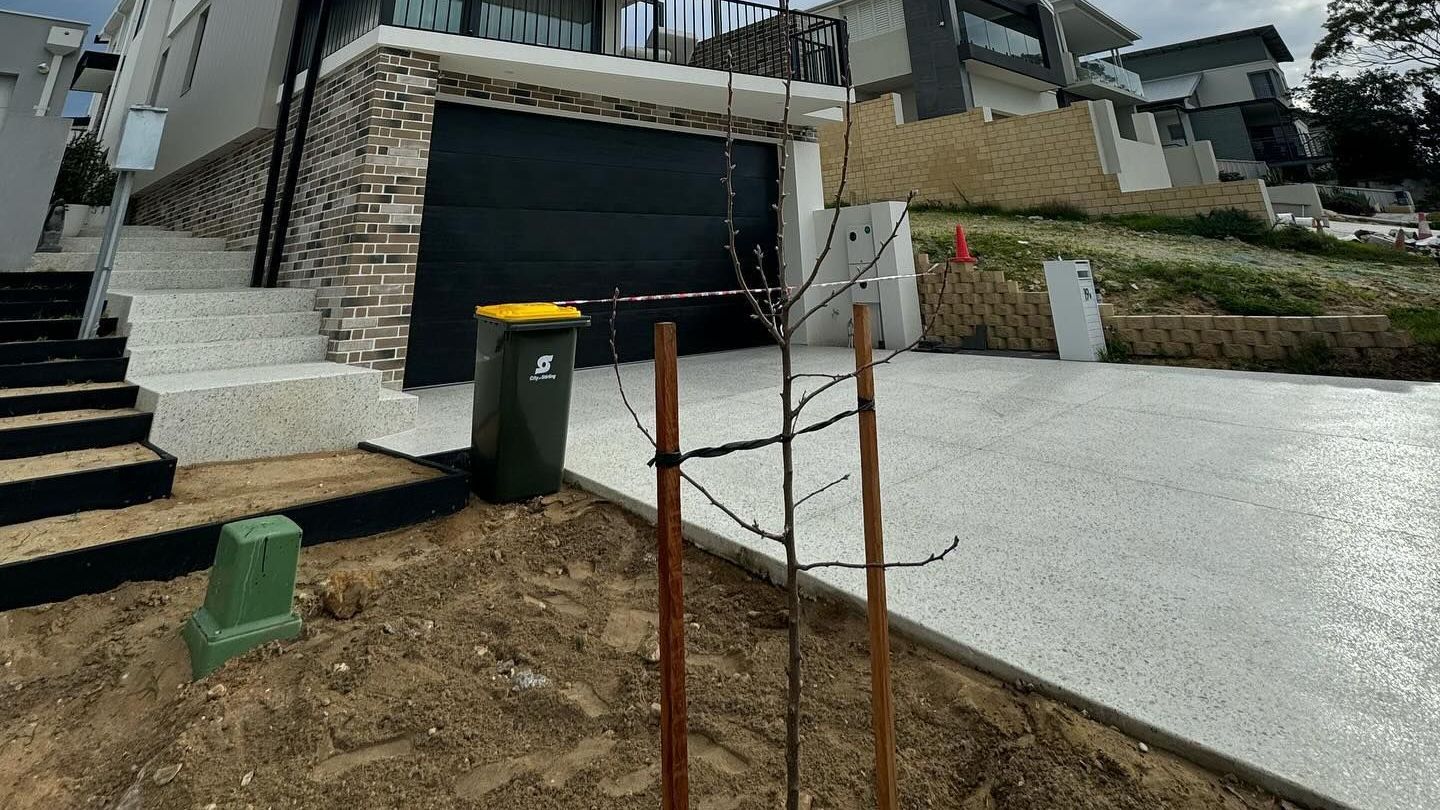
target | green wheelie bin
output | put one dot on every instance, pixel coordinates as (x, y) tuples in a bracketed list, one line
[(524, 366)]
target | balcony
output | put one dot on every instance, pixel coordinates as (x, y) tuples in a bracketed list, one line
[(722, 35), (1099, 79), (1289, 149)]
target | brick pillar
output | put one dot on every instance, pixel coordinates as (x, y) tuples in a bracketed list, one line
[(355, 236)]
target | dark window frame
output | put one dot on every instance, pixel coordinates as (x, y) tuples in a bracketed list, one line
[(1271, 85), (201, 23)]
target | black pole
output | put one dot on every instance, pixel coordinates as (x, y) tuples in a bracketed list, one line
[(277, 151), (297, 150)]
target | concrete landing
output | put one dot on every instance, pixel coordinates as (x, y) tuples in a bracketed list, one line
[(1245, 567)]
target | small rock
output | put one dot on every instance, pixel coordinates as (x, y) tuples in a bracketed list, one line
[(1144, 749), (345, 593), (216, 692), (247, 778), (524, 680), (166, 775), (342, 667), (496, 555), (655, 712)]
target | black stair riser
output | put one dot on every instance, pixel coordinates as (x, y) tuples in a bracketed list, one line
[(39, 351), (43, 294), (62, 372), (99, 568), (34, 310), (46, 280), (83, 490), (48, 329), (80, 434), (74, 400)]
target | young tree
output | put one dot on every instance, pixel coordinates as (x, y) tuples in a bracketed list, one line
[(1374, 122), (1395, 35), (782, 309)]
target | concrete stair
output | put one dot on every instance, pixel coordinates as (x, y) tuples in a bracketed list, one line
[(230, 372)]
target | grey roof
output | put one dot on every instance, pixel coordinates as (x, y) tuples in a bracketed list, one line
[(1172, 88), (1273, 41)]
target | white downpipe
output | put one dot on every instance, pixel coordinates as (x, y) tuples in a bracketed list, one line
[(43, 108)]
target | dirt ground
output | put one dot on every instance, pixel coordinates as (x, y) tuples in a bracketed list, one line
[(505, 661), (206, 493), (17, 469)]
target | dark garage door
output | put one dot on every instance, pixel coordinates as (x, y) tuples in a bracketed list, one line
[(526, 207)]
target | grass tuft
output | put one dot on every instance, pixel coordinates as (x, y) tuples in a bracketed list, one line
[(1422, 323)]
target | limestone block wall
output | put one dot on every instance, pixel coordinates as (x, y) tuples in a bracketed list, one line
[(1257, 337), (1019, 320), (1015, 162)]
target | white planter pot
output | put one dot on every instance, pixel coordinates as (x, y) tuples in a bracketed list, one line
[(97, 215), (76, 217)]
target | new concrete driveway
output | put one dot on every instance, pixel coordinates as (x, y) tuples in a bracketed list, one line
[(1245, 562)]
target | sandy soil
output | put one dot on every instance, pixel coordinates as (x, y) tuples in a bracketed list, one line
[(504, 662), (208, 492), (17, 469), (55, 417)]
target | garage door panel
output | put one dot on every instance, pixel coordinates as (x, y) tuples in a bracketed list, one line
[(523, 207), (551, 185), (531, 235), (568, 141)]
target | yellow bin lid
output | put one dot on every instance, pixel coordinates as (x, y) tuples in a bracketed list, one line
[(521, 313)]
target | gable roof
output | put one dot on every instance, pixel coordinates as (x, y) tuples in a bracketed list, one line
[(1267, 33)]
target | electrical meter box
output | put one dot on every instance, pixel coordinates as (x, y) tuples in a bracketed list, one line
[(1075, 306), (860, 253)]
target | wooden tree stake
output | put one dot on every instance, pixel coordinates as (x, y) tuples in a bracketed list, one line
[(882, 710), (674, 757)]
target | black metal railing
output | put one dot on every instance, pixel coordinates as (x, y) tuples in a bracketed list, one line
[(1288, 148), (738, 35)]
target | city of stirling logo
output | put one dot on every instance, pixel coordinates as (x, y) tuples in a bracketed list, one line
[(542, 368)]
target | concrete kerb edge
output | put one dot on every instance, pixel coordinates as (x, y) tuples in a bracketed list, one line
[(774, 571)]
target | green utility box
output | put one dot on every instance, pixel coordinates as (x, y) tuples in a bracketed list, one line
[(524, 366), (252, 588)]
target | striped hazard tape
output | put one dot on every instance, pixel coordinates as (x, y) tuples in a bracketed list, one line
[(717, 293)]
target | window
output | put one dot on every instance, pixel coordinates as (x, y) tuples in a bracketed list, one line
[(1002, 32), (1263, 83), (200, 25), (7, 90), (159, 78), (1177, 133)]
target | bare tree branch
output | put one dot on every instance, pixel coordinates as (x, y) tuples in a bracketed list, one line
[(799, 292), (752, 525), (933, 558), (842, 479), (836, 379), (771, 326)]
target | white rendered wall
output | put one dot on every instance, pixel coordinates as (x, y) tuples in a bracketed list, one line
[(1003, 97)]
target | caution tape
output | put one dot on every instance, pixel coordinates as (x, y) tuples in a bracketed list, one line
[(717, 293)]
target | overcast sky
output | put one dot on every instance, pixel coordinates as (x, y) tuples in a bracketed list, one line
[(1159, 22)]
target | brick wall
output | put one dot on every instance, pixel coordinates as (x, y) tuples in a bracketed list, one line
[(354, 236), (968, 298), (1011, 162), (1251, 337)]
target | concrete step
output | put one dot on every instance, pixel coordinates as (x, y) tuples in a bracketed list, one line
[(222, 328), (144, 243), (179, 279), (97, 231), (258, 411), (156, 305), (176, 358), (129, 260)]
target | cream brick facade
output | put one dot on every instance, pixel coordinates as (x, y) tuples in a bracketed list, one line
[(1011, 162)]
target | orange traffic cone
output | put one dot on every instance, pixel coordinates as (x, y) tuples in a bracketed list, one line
[(962, 249), (1424, 232)]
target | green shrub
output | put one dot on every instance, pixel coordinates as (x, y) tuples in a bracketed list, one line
[(1231, 177), (1219, 224), (1422, 323), (1117, 349), (85, 177), (1311, 357), (1347, 202)]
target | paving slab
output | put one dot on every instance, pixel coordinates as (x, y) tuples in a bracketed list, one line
[(1245, 567)]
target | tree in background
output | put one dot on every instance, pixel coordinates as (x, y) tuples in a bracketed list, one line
[(1401, 36), (85, 177), (1377, 126)]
